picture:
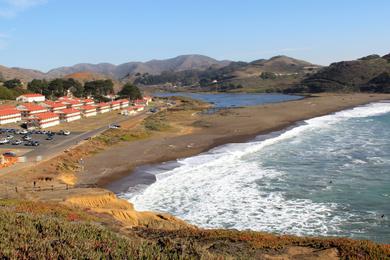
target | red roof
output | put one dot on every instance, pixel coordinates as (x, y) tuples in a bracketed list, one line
[(32, 107), (69, 111), (6, 107), (103, 105), (139, 101), (46, 115), (87, 100), (53, 104), (6, 112), (72, 101), (32, 95), (87, 107), (117, 102), (123, 100)]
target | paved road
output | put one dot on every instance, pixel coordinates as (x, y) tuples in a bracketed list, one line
[(46, 152)]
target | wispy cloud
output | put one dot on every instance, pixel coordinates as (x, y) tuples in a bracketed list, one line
[(10, 8)]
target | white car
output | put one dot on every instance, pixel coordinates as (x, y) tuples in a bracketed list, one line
[(113, 126), (64, 132), (4, 141), (10, 136)]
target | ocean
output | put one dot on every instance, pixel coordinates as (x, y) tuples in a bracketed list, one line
[(326, 176)]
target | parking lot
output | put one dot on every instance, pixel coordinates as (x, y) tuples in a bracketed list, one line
[(20, 141)]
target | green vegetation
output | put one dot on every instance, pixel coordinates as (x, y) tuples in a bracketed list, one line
[(201, 78), (60, 87), (130, 91), (267, 75), (98, 88), (157, 122), (31, 230), (37, 230), (7, 94), (13, 83), (368, 74)]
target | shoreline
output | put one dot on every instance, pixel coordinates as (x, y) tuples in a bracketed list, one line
[(218, 140)]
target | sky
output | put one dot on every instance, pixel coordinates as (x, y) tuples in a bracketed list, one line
[(44, 34)]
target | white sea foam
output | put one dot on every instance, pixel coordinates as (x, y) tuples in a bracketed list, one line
[(221, 188)]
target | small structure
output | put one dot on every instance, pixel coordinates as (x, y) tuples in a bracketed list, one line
[(29, 98), (11, 115), (29, 109), (69, 115), (103, 108), (129, 111), (115, 105), (88, 110), (54, 106), (43, 120)]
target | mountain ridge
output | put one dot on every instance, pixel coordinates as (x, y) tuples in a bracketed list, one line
[(128, 70)]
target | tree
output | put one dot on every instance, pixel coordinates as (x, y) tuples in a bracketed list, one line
[(268, 75), (99, 87), (13, 83), (39, 86), (130, 91)]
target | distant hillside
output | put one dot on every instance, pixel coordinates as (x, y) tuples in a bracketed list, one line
[(369, 73), (277, 64), (86, 76), (284, 71), (126, 70), (19, 73)]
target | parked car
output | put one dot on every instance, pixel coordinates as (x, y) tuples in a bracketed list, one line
[(10, 136), (4, 141), (64, 132), (114, 126), (9, 154), (23, 132), (17, 142), (49, 137), (27, 138)]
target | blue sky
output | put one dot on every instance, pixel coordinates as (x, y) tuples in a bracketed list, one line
[(44, 34)]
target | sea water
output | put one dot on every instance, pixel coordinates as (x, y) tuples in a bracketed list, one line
[(328, 176), (230, 100)]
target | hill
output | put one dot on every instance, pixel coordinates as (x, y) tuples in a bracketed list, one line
[(279, 70), (153, 67), (370, 73), (19, 73), (86, 76)]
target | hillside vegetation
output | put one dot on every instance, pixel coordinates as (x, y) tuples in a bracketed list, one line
[(368, 74), (36, 230)]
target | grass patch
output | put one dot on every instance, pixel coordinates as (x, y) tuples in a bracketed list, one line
[(157, 122)]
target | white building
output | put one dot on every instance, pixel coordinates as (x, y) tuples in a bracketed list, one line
[(8, 116), (115, 105), (88, 111), (69, 115), (124, 103), (29, 109), (54, 106), (103, 108), (29, 98), (43, 120)]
